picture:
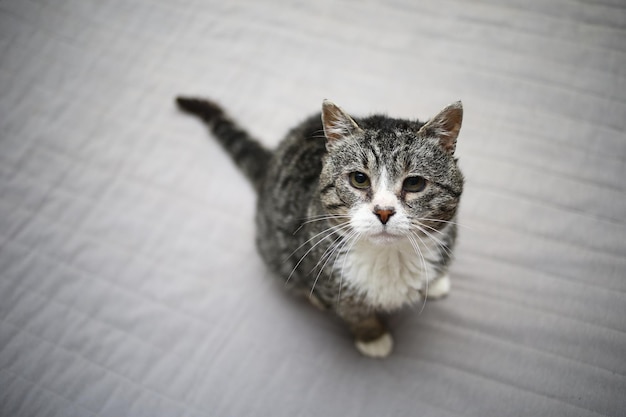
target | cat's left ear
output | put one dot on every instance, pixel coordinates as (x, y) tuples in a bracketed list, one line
[(337, 123), (445, 126)]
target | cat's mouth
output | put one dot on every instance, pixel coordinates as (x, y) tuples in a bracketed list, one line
[(384, 238)]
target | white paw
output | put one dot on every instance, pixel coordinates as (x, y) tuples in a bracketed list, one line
[(378, 348), (439, 288)]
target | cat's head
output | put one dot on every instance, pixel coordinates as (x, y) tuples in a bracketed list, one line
[(393, 178)]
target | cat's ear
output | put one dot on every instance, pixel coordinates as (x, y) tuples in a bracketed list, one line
[(445, 126), (337, 123)]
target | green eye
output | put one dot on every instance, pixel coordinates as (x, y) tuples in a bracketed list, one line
[(414, 184), (359, 180)]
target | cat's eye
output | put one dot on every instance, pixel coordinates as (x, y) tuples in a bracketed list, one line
[(359, 180), (414, 184)]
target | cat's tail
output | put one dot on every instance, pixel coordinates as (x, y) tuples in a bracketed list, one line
[(249, 155)]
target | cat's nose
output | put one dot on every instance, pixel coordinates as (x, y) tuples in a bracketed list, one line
[(384, 214)]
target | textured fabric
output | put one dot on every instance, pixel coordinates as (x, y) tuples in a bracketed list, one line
[(129, 280)]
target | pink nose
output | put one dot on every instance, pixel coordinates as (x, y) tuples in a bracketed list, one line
[(384, 214)]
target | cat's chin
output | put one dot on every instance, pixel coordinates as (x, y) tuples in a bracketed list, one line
[(385, 238)]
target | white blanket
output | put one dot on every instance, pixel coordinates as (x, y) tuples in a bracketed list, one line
[(129, 280)]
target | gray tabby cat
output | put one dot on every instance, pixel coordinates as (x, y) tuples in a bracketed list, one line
[(357, 214)]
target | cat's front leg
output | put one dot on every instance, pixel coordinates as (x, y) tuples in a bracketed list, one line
[(438, 288), (371, 337), (377, 348)]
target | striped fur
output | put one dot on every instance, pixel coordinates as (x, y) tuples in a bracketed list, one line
[(318, 229)]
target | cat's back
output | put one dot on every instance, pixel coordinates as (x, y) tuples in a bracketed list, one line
[(297, 161), (289, 187)]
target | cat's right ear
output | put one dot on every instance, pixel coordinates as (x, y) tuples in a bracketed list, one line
[(337, 124)]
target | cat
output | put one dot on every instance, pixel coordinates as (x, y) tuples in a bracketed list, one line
[(358, 214)]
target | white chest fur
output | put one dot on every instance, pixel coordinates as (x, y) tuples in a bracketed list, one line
[(387, 276)]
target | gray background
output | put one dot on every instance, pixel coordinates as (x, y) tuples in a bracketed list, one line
[(129, 280)]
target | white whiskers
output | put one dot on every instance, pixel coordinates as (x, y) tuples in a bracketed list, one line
[(432, 246), (354, 237), (326, 233), (445, 221), (440, 244), (335, 250), (411, 237), (431, 234), (321, 217)]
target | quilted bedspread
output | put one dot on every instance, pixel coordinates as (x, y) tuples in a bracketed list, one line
[(129, 280)]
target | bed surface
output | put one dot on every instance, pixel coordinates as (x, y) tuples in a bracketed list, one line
[(129, 280)]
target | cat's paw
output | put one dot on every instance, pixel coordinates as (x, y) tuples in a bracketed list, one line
[(377, 348), (438, 288)]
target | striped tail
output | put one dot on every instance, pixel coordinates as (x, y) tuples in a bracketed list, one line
[(249, 155)]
